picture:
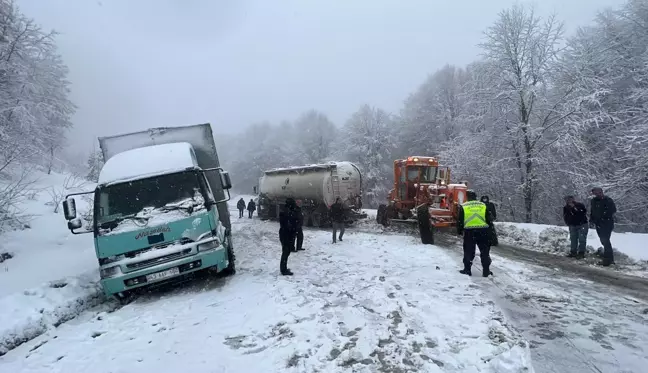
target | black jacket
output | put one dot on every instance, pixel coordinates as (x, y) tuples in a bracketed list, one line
[(288, 224), (576, 215), (241, 204), (602, 211), (251, 206), (300, 217), (337, 213), (460, 218), (491, 206)]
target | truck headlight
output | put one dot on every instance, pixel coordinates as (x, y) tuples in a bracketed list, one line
[(211, 245), (109, 271), (111, 259)]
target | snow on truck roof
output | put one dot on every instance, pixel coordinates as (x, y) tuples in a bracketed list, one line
[(148, 161)]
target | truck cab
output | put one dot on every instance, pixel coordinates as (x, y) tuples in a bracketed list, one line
[(155, 218)]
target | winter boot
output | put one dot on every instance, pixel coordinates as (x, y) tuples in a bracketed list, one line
[(340, 239), (466, 271), (580, 256), (571, 255), (487, 272), (286, 272)]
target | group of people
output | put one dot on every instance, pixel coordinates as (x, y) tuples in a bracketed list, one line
[(601, 217), (291, 234), (475, 222), (251, 207)]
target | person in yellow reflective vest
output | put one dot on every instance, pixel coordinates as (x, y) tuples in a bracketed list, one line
[(473, 223)]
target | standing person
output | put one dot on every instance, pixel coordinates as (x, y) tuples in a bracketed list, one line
[(240, 205), (337, 217), (251, 207), (287, 233), (575, 216), (300, 224), (602, 212), (492, 233), (473, 222)]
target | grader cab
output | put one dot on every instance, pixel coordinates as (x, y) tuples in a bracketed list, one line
[(422, 195)]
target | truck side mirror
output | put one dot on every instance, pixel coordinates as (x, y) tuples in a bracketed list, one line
[(226, 182), (75, 223), (69, 209), (255, 190)]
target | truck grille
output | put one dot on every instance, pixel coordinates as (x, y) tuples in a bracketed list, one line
[(158, 260)]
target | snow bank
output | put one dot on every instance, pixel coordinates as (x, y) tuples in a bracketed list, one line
[(46, 250), (631, 249), (32, 312), (59, 269), (150, 160)]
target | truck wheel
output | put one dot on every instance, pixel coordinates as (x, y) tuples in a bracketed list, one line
[(426, 229), (231, 267), (124, 298), (380, 216), (316, 219)]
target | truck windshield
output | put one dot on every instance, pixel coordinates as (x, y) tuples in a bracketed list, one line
[(138, 198), (423, 174)]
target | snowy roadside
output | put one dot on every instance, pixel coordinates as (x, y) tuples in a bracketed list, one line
[(631, 251), (52, 274), (33, 312), (371, 303)]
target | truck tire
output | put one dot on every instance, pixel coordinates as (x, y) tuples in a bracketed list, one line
[(316, 219), (426, 229), (380, 215), (231, 266)]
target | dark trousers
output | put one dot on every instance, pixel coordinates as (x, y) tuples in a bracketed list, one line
[(480, 238), (285, 253), (240, 213), (492, 235), (300, 239), (578, 238), (604, 232), (338, 226), (250, 212)]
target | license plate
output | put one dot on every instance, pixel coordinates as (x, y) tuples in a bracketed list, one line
[(164, 274)]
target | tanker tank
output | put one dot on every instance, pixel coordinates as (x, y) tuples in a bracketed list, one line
[(317, 186)]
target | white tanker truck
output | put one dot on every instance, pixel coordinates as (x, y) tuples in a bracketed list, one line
[(317, 186)]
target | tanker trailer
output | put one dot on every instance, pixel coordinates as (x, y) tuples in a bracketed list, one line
[(317, 186)]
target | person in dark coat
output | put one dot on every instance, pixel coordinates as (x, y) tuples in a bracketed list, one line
[(473, 222), (240, 205), (288, 222), (251, 207), (300, 224), (492, 233), (337, 217), (575, 217), (602, 210)]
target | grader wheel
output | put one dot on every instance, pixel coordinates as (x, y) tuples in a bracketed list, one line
[(426, 229), (382, 214)]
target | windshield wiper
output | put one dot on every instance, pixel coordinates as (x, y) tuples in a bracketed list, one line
[(111, 224)]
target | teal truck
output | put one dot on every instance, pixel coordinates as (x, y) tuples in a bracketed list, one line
[(160, 209)]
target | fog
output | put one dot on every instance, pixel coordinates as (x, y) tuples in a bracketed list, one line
[(146, 63)]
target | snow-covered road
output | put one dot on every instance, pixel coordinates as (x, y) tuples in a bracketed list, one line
[(370, 304), (573, 324)]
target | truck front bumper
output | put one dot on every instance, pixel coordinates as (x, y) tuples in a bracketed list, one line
[(216, 259)]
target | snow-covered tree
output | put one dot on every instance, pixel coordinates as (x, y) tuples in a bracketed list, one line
[(369, 142), (314, 135), (94, 164)]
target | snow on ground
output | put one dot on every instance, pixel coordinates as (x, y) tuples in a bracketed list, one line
[(573, 325), (631, 249), (371, 303), (52, 274)]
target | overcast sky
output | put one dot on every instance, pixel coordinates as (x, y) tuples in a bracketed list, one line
[(136, 64)]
